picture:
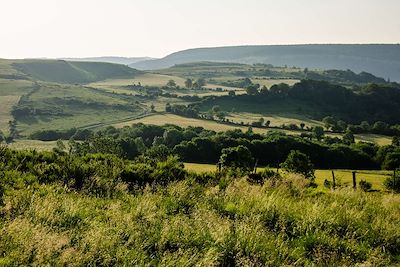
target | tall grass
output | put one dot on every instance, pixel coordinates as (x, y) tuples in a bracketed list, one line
[(188, 224)]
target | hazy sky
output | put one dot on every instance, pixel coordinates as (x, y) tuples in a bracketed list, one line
[(79, 28)]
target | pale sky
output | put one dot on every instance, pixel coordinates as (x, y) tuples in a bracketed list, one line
[(83, 28)]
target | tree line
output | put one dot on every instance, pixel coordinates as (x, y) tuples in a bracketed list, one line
[(196, 144)]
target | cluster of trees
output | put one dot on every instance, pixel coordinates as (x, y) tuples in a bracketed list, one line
[(53, 135), (379, 127), (182, 110), (195, 84), (343, 76), (195, 144), (189, 83), (370, 103), (239, 83)]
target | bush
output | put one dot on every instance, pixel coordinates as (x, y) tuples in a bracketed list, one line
[(261, 177), (365, 186), (392, 184), (327, 184)]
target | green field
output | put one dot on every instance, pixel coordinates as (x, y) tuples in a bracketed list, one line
[(33, 144), (343, 177), (10, 93), (62, 107)]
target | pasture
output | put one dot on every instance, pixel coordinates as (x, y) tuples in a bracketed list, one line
[(343, 177)]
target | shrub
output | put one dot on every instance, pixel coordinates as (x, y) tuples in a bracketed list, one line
[(392, 183), (327, 184), (261, 177), (168, 171), (365, 186)]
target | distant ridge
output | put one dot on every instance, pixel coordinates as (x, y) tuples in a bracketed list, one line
[(380, 59), (111, 59)]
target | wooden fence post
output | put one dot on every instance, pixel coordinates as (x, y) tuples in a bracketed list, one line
[(354, 180), (255, 166), (333, 180)]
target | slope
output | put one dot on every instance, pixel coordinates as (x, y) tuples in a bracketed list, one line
[(72, 72)]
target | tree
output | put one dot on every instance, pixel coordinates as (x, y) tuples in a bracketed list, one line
[(267, 123), (365, 126), (329, 122), (318, 132), (237, 157), (392, 161), (341, 126), (171, 83), (172, 137), (221, 115), (380, 127), (216, 109), (302, 125), (264, 90), (348, 137), (395, 141), (200, 83), (152, 107), (252, 89), (298, 162), (231, 93), (189, 83)]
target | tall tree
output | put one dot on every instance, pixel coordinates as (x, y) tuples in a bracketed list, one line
[(189, 83)]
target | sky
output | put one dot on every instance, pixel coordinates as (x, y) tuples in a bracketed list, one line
[(155, 28)]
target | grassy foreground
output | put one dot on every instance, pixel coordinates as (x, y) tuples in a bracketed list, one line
[(188, 224)]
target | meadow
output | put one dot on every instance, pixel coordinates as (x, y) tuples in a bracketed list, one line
[(186, 224), (10, 93), (343, 177)]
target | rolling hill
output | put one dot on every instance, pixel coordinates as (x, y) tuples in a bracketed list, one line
[(111, 59), (379, 59), (72, 72)]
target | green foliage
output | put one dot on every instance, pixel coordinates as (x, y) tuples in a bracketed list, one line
[(365, 186), (391, 161), (298, 162), (237, 157), (264, 175), (171, 83), (348, 137), (98, 209), (188, 83), (392, 183), (318, 132)]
